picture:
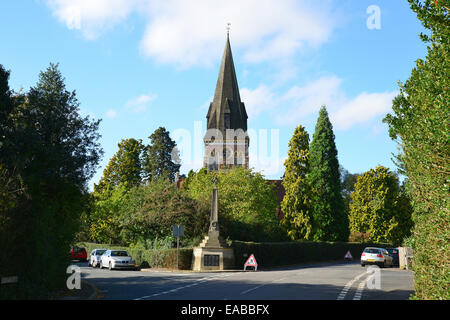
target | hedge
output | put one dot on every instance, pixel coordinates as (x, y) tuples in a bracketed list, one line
[(273, 254), (157, 258)]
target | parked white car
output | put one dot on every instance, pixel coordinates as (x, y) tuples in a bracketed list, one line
[(94, 257), (378, 256), (116, 259)]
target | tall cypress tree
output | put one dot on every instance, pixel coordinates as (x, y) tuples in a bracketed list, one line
[(330, 221), (296, 202)]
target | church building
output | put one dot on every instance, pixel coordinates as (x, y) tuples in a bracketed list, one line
[(226, 139)]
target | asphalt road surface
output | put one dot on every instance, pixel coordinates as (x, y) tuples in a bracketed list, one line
[(324, 281)]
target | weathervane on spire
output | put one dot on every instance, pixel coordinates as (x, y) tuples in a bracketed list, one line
[(228, 28)]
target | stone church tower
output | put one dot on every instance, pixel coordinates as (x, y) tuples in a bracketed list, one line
[(226, 140)]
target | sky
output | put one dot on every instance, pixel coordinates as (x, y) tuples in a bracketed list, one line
[(143, 64)]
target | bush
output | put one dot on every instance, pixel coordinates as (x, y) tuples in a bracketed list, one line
[(419, 123), (431, 239), (146, 212), (161, 257)]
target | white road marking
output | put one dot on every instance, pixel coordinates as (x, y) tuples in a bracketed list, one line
[(262, 285), (347, 287), (200, 281), (254, 288), (360, 290)]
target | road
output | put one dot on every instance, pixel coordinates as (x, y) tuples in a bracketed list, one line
[(324, 281)]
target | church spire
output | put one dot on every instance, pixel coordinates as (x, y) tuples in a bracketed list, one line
[(227, 111)]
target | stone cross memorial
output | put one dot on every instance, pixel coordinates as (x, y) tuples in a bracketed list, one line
[(213, 253)]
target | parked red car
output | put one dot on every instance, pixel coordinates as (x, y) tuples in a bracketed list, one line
[(78, 253)]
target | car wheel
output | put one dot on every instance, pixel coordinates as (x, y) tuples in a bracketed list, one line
[(110, 266), (363, 265), (101, 265)]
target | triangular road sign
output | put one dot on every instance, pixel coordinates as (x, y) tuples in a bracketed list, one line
[(348, 256), (251, 262)]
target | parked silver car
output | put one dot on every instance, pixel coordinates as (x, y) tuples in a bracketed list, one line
[(117, 259), (94, 257), (378, 256)]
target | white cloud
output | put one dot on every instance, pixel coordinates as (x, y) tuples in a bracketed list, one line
[(361, 109), (186, 33), (139, 104), (92, 18), (111, 114), (299, 102), (306, 100)]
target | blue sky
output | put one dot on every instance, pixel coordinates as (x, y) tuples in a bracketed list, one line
[(142, 64)]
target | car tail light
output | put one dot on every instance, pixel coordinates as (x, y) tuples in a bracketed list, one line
[(363, 254), (379, 256)]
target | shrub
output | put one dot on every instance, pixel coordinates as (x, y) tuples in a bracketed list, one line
[(160, 257)]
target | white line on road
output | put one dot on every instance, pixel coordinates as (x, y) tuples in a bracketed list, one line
[(347, 287), (262, 285), (254, 288), (360, 290), (200, 281)]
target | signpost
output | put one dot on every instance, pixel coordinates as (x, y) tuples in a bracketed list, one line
[(178, 231)]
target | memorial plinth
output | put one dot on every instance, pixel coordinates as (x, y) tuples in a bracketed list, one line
[(213, 253)]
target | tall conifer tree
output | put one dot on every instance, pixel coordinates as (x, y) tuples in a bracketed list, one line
[(160, 155), (330, 221), (296, 202)]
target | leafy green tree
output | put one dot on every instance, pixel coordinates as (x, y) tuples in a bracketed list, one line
[(348, 181), (125, 167), (145, 213), (419, 122), (158, 161), (105, 220), (296, 202), (330, 221), (247, 203), (51, 152), (189, 178), (379, 209), (153, 209)]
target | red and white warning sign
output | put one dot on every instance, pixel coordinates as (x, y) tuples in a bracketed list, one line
[(251, 262), (348, 256)]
